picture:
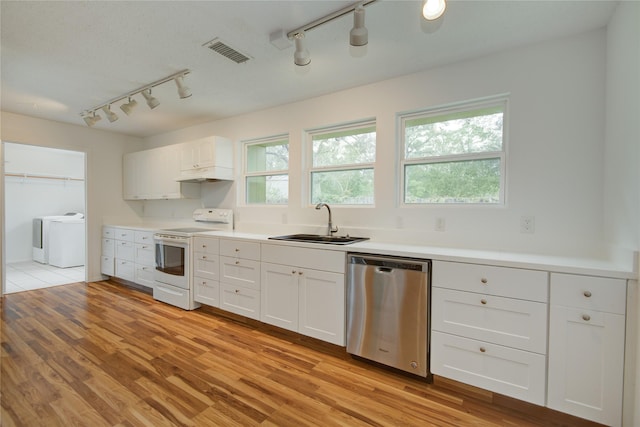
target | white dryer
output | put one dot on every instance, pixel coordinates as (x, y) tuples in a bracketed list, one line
[(41, 233)]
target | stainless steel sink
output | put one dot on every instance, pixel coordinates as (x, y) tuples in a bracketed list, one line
[(318, 238)]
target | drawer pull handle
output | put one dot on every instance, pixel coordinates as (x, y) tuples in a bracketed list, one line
[(484, 280), (483, 350), (586, 317), (483, 301), (587, 294)]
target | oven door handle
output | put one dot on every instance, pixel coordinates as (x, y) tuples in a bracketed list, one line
[(171, 240)]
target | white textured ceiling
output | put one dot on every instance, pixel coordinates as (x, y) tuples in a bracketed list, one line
[(61, 58)]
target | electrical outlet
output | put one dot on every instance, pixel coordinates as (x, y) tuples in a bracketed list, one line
[(527, 224), (441, 224)]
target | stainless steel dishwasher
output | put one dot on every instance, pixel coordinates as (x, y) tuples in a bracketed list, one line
[(388, 311)]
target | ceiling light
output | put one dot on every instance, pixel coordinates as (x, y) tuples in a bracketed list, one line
[(110, 114), (359, 36), (433, 9), (151, 101), (301, 56), (183, 91), (129, 106), (92, 119)]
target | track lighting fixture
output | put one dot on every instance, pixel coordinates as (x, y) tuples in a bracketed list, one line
[(433, 9), (301, 56), (91, 118), (359, 35), (129, 106), (152, 101), (110, 114)]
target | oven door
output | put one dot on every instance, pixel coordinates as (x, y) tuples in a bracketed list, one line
[(172, 260)]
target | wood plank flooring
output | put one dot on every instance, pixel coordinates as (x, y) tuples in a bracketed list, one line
[(103, 354)]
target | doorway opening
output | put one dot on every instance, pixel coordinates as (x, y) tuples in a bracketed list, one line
[(44, 217)]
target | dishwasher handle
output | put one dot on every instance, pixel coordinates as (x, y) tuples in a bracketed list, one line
[(387, 264)]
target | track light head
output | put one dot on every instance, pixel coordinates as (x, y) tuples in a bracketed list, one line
[(151, 101), (183, 91), (301, 56), (110, 114), (433, 9), (129, 106), (359, 35), (92, 119)]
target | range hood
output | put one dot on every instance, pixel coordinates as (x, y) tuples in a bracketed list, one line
[(213, 173)]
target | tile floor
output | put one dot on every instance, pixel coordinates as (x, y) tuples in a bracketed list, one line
[(29, 275)]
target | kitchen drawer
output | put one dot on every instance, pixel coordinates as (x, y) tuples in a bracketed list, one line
[(107, 266), (145, 254), (144, 275), (505, 321), (124, 234), (108, 247), (240, 272), (143, 237), (206, 265), (240, 300), (125, 269), (515, 373), (240, 249), (125, 250), (588, 292), (109, 232), (484, 279), (206, 291), (317, 259), (206, 245), (175, 296)]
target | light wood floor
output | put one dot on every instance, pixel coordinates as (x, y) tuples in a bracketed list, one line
[(102, 354)]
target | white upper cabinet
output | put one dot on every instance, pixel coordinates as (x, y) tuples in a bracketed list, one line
[(206, 158)]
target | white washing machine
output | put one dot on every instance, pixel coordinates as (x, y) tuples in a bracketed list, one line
[(41, 233), (66, 243)]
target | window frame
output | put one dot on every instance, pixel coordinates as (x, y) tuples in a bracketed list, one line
[(461, 107), (310, 169), (246, 174)]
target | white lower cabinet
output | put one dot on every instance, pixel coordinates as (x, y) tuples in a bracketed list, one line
[(240, 277), (586, 347), (144, 258), (206, 271), (240, 300)]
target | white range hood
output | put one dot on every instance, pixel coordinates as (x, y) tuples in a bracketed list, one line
[(212, 173)]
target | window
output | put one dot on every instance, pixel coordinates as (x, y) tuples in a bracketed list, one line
[(454, 155), (267, 171), (342, 164)]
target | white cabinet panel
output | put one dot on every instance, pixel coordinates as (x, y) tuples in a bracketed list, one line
[(125, 269), (240, 272), (279, 294), (322, 306), (240, 300), (206, 266), (144, 254), (317, 259), (108, 247), (206, 291), (125, 250), (240, 249), (107, 265), (144, 275), (206, 245), (592, 293)]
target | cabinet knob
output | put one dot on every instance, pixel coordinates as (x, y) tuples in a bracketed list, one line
[(484, 280), (237, 250), (300, 273), (237, 291), (483, 350), (293, 272), (237, 262), (586, 317), (204, 246), (587, 294), (483, 301), (204, 257)]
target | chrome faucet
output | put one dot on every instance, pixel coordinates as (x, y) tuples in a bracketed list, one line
[(330, 228)]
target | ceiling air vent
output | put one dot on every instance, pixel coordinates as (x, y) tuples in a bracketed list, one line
[(227, 51)]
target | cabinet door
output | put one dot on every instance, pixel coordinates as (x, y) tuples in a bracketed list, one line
[(125, 250), (279, 296), (108, 247), (240, 272), (165, 170), (586, 361), (240, 300), (206, 265), (144, 275), (107, 266), (206, 291), (322, 306), (125, 270), (137, 177), (145, 254)]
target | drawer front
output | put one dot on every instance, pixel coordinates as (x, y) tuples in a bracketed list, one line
[(173, 295), (240, 249), (108, 232), (505, 321), (240, 300), (144, 275), (317, 259), (145, 254), (107, 266), (125, 270), (240, 272), (588, 292), (515, 373), (124, 234), (206, 245), (125, 250), (206, 291), (143, 237), (484, 279), (108, 247), (206, 265)]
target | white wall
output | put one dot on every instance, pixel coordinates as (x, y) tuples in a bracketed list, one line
[(556, 142), (104, 170), (622, 173), (30, 197)]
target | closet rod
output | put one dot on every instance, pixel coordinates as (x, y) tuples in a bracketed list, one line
[(26, 175)]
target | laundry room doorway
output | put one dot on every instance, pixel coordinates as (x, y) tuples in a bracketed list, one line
[(44, 235)]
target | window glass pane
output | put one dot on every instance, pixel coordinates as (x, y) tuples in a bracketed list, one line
[(269, 156), (350, 187), (345, 147), (455, 133), (475, 181), (268, 189)]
